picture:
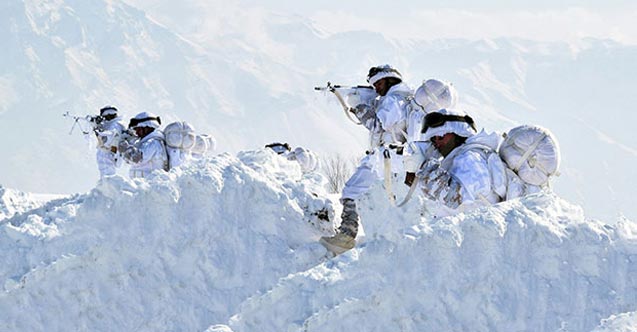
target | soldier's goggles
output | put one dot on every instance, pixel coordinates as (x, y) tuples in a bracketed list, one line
[(134, 122), (435, 119)]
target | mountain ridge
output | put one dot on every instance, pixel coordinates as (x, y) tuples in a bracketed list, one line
[(249, 88)]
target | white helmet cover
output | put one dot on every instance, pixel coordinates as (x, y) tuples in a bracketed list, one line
[(379, 72), (145, 119), (108, 110), (459, 128), (434, 94)]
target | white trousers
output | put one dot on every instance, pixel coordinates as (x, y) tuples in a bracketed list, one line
[(370, 170)]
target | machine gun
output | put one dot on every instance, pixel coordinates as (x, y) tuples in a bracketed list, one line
[(108, 139), (93, 121), (350, 95)]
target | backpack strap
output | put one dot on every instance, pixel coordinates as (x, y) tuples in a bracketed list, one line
[(528, 152), (388, 175), (410, 193), (163, 141)]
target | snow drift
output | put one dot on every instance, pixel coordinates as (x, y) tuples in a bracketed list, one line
[(14, 201), (534, 264), (172, 254), (233, 240)]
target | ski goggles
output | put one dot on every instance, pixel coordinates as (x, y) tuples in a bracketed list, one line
[(435, 120), (134, 122), (109, 117)]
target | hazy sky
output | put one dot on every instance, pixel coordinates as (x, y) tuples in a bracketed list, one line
[(536, 20)]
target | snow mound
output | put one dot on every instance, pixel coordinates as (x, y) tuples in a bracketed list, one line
[(534, 264), (15, 201), (175, 253), (626, 322), (231, 244)]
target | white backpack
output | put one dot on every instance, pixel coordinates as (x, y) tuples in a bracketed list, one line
[(180, 139), (532, 155), (203, 143), (180, 135)]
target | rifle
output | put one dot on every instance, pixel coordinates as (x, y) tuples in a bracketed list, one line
[(95, 121), (363, 93)]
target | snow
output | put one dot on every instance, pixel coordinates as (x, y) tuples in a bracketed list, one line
[(14, 201), (230, 243), (626, 322)]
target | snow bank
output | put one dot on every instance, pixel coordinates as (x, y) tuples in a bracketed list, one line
[(176, 253), (230, 244), (14, 201), (534, 264), (626, 322)]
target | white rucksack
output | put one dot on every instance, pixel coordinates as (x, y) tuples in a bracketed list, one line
[(203, 143), (532, 154), (180, 135), (180, 139)]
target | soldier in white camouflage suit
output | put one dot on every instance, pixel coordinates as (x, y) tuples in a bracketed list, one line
[(386, 121), (108, 132)]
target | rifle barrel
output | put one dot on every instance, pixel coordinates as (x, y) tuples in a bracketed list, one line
[(338, 86)]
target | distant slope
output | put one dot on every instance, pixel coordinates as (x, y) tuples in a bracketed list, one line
[(251, 83)]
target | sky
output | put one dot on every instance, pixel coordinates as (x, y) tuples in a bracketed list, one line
[(567, 21)]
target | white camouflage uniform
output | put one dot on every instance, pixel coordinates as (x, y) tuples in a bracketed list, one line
[(431, 96), (152, 153), (149, 152), (387, 127), (307, 159), (107, 139), (471, 175), (386, 119)]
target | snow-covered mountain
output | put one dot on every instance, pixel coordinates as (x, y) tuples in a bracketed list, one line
[(230, 244), (250, 83)]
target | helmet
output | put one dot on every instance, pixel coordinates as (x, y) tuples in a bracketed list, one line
[(145, 119), (433, 95), (108, 110), (446, 121), (379, 72), (279, 148), (180, 135)]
